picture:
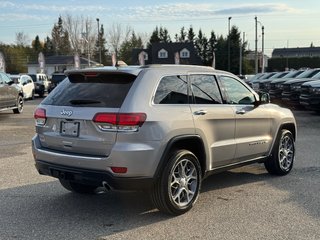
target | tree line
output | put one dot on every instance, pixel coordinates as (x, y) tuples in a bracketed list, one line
[(70, 35)]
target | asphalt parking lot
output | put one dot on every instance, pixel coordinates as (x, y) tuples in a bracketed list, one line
[(245, 203)]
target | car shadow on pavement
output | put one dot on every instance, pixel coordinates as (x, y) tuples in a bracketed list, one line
[(48, 211)]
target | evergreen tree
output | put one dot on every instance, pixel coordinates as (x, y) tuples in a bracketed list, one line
[(100, 46), (191, 34), (164, 35), (126, 48), (183, 35), (155, 37), (201, 45), (222, 53), (48, 49), (235, 44), (60, 39), (36, 45)]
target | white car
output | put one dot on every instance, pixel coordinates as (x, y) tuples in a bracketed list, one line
[(26, 83)]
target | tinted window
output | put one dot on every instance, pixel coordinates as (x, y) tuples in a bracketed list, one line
[(102, 91), (205, 89), (34, 77), (172, 90), (236, 92)]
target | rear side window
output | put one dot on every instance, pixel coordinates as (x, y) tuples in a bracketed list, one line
[(104, 90), (172, 90), (205, 89)]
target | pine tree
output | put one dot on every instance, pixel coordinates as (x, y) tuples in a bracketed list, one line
[(183, 35), (60, 39), (100, 47), (126, 48), (48, 49), (164, 35), (191, 34), (36, 45), (155, 37), (201, 45)]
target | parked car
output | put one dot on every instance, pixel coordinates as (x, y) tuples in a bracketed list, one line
[(41, 82), (159, 128), (264, 85), (310, 95), (11, 95), (292, 88), (276, 85), (26, 83), (56, 78), (255, 82)]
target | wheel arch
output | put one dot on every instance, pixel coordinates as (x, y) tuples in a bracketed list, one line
[(291, 126), (193, 143)]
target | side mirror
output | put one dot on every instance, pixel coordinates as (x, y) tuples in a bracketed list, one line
[(264, 98)]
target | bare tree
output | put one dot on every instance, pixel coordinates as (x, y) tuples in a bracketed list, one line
[(116, 35), (82, 33), (22, 39)]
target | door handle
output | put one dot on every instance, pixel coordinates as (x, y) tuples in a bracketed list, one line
[(242, 111), (200, 112)]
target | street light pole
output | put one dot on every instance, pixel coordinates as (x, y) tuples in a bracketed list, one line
[(229, 43), (262, 64), (256, 47), (99, 45)]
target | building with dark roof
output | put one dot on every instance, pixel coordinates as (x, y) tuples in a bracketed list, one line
[(59, 64), (167, 53), (296, 52)]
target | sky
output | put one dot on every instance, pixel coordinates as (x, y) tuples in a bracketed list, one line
[(293, 23)]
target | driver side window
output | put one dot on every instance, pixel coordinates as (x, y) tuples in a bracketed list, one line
[(236, 92)]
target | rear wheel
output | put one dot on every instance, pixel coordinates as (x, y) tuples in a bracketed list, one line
[(19, 108), (78, 187), (283, 153), (177, 189)]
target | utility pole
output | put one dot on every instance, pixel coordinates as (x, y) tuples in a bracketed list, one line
[(262, 68), (99, 44), (229, 43), (241, 57), (256, 47)]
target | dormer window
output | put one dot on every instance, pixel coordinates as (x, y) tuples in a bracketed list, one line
[(184, 53), (163, 53)]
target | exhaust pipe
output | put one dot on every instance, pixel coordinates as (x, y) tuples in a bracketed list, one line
[(106, 186)]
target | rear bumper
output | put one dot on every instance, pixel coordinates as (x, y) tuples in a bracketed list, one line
[(139, 159), (92, 177)]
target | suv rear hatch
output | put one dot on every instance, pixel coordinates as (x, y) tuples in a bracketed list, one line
[(80, 116)]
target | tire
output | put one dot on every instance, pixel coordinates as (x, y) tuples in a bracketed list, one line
[(41, 94), (178, 187), (19, 108), (78, 187), (281, 160), (32, 95)]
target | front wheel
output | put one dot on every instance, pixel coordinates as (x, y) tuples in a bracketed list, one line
[(19, 108), (77, 187), (178, 187), (281, 160)]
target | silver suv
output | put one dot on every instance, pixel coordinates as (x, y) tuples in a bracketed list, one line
[(162, 128)]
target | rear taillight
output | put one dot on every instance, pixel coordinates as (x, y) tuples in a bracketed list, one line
[(126, 122), (40, 116)]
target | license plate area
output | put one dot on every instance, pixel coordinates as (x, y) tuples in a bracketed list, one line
[(70, 129)]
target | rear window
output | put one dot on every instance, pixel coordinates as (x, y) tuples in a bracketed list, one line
[(108, 91), (57, 78)]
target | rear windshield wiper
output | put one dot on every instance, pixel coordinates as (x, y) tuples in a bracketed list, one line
[(83, 101)]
